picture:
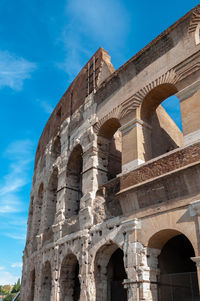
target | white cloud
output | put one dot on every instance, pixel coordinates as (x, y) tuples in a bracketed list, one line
[(2, 268), (16, 237), (19, 155), (14, 70), (16, 265), (45, 106), (10, 204), (7, 278), (104, 23)]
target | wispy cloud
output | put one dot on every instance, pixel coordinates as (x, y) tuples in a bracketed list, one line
[(14, 225), (14, 70), (16, 265), (96, 23), (2, 268), (16, 237), (19, 155), (45, 106), (7, 278)]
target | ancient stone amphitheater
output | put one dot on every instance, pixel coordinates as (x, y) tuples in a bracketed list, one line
[(115, 201)]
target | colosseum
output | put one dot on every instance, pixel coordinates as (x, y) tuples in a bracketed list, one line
[(115, 201)]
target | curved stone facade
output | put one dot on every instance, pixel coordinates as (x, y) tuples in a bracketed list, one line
[(116, 184)]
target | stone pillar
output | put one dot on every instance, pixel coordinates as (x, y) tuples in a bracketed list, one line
[(148, 274), (89, 185), (131, 258), (190, 112), (136, 144), (54, 279), (141, 265), (86, 275)]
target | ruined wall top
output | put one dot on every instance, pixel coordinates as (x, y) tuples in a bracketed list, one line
[(89, 78)]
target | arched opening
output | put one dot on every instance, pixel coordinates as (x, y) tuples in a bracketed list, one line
[(32, 286), (109, 150), (56, 148), (37, 214), (51, 199), (162, 123), (69, 282), (74, 182), (178, 275), (46, 284), (110, 274)]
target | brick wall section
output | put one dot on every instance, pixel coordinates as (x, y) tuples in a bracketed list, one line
[(175, 160)]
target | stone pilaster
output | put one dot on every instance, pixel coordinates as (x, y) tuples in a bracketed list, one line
[(89, 185), (131, 258), (190, 112), (55, 276), (136, 144)]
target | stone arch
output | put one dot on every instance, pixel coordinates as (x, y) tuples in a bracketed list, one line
[(160, 238), (69, 279), (109, 273), (160, 132), (176, 268), (109, 144), (51, 198), (56, 148), (154, 98), (46, 282), (74, 182)]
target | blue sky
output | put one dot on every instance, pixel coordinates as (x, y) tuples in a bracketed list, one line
[(43, 45)]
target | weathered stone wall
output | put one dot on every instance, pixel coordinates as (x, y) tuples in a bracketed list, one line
[(114, 177)]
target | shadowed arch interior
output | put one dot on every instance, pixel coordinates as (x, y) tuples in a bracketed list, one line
[(110, 273), (74, 182), (109, 150), (178, 274), (56, 148), (69, 281)]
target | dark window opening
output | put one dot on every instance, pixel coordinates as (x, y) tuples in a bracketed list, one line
[(74, 182), (109, 150)]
